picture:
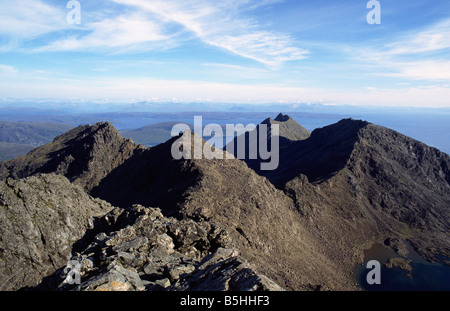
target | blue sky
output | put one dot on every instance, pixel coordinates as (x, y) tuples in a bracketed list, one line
[(240, 51)]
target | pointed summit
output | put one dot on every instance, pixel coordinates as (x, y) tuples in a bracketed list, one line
[(282, 117), (279, 119), (291, 129), (85, 155)]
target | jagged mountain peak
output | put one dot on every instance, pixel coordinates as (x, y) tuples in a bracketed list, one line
[(334, 147), (289, 131), (289, 128), (81, 131), (282, 117), (85, 155), (342, 129), (279, 118)]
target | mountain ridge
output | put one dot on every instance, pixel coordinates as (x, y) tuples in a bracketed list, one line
[(387, 184), (84, 155), (334, 193)]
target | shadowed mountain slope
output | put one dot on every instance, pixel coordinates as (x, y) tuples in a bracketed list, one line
[(324, 153), (260, 219), (377, 182)]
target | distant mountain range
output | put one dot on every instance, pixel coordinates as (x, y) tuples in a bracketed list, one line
[(151, 135), (17, 138), (303, 226)]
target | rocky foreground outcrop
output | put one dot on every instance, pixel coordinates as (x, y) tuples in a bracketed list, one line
[(147, 251), (41, 217), (46, 223)]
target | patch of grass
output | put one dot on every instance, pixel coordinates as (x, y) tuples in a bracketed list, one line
[(404, 231), (50, 204), (9, 151)]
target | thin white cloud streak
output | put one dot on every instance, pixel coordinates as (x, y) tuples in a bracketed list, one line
[(414, 57), (262, 46), (423, 70), (220, 25), (149, 25), (122, 33), (24, 19), (435, 38), (8, 70)]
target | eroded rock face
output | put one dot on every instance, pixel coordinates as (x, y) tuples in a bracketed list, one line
[(41, 217), (358, 182), (151, 252), (224, 270)]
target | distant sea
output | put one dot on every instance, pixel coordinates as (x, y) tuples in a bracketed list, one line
[(430, 126)]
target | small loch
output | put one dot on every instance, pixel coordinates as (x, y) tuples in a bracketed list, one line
[(425, 276)]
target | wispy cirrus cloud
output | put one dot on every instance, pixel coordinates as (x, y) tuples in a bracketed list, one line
[(432, 39), (119, 34), (418, 56), (22, 19), (8, 70), (139, 26), (220, 24), (430, 70)]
